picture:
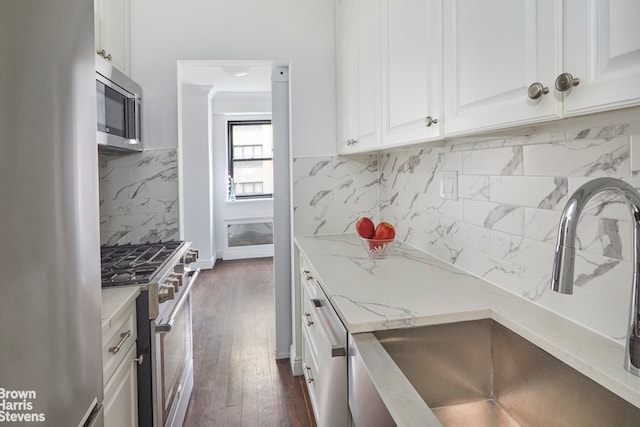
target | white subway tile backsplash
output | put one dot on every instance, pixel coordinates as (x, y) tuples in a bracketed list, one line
[(493, 161), (586, 158), (529, 191), (496, 216), (541, 224), (503, 227), (473, 187), (519, 250)]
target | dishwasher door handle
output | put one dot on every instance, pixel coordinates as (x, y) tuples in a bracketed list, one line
[(336, 333)]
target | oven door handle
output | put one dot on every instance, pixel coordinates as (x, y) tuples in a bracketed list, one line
[(166, 327)]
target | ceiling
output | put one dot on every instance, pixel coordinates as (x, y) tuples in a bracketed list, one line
[(227, 78)]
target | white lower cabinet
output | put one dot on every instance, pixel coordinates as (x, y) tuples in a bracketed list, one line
[(324, 354), (121, 394), (120, 370)]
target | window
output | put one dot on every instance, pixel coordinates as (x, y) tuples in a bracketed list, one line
[(251, 158)]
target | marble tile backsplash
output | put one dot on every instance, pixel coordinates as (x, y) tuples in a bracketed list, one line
[(139, 197), (331, 193), (502, 227)]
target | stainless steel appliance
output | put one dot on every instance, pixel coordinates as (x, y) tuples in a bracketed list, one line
[(165, 371), (50, 360), (119, 102)]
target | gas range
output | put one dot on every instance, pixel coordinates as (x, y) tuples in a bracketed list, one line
[(141, 263), (163, 272)]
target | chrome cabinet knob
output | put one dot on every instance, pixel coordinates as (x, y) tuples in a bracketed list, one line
[(536, 90), (566, 81), (352, 141), (428, 121), (139, 360)]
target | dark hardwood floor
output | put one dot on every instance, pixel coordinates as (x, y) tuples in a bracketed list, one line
[(237, 380)]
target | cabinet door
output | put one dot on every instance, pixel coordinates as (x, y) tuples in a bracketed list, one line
[(368, 71), (345, 78), (112, 31), (121, 394), (493, 51), (602, 49), (412, 58)]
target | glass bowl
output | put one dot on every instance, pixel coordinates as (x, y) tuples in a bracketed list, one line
[(376, 248)]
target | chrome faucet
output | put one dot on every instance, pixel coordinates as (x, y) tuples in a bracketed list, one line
[(562, 276)]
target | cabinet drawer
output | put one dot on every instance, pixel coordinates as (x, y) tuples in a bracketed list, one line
[(117, 341), (310, 370), (308, 278)]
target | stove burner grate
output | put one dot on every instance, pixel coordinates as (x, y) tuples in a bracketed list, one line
[(132, 264)]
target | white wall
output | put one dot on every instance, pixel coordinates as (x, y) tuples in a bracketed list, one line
[(197, 183), (296, 32)]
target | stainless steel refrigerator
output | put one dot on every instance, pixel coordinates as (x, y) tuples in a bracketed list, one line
[(50, 327)]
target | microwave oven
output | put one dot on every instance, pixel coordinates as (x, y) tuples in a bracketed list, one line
[(119, 104)]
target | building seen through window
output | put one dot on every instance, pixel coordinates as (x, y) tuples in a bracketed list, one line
[(251, 158)]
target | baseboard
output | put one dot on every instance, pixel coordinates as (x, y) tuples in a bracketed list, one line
[(296, 363), (204, 264)]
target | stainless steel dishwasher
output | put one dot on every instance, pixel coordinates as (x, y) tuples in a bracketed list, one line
[(324, 354)]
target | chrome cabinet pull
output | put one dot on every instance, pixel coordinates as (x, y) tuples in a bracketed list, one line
[(309, 321), (352, 141), (566, 81), (428, 121), (307, 275), (139, 360), (123, 338), (536, 90), (309, 377), (104, 54)]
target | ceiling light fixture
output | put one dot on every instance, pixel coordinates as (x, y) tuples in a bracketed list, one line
[(236, 71)]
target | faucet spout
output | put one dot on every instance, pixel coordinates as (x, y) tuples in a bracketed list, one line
[(564, 260)]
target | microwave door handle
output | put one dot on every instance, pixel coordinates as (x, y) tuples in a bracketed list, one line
[(136, 119), (166, 327)]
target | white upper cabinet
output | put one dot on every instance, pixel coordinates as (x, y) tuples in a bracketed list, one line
[(602, 50), (412, 61), (389, 80), (358, 79), (494, 51), (368, 71), (414, 71), (345, 81), (112, 23)]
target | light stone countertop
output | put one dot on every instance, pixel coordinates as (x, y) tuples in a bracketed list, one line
[(412, 288), (115, 300)]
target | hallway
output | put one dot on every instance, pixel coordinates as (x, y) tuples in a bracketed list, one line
[(237, 381)]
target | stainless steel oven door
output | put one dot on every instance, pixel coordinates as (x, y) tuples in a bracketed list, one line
[(174, 356)]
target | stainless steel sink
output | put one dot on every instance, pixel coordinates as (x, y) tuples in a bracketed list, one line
[(479, 373)]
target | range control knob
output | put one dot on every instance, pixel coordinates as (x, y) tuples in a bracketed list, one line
[(191, 256), (166, 293), (177, 277), (173, 282)]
